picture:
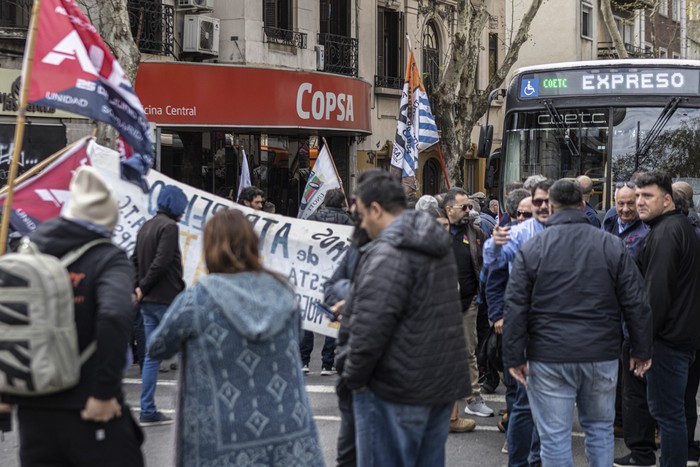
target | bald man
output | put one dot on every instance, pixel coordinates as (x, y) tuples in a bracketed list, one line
[(586, 185)]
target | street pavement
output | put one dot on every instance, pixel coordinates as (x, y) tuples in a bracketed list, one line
[(478, 449)]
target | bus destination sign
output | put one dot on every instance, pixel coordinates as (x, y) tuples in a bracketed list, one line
[(670, 81)]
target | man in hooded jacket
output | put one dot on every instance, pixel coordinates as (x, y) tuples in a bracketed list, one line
[(158, 263), (89, 423)]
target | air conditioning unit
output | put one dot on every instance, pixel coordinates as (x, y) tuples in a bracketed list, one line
[(201, 35), (320, 57), (201, 4)]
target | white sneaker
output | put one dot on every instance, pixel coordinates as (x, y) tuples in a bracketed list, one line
[(305, 369), (478, 407)]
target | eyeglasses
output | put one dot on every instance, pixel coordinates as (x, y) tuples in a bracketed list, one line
[(629, 184), (539, 202), (525, 214), (463, 207)]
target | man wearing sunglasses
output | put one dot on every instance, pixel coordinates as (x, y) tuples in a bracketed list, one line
[(499, 252), (467, 244)]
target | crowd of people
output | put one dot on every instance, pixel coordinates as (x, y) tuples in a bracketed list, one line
[(439, 301)]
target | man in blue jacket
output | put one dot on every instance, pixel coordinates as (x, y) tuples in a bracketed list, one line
[(570, 287)]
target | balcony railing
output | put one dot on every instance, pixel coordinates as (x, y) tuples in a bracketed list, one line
[(285, 37), (607, 50), (388, 82), (15, 13), (152, 26), (340, 54)]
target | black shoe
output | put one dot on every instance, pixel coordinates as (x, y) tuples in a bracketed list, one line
[(157, 419), (630, 461), (488, 388)]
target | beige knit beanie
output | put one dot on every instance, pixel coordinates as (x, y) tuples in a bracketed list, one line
[(91, 199)]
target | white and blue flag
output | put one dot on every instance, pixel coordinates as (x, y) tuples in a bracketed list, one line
[(416, 129)]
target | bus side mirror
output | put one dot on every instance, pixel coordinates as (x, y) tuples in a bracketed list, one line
[(485, 140), (492, 166)]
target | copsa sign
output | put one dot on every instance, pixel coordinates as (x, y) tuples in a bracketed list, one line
[(196, 95)]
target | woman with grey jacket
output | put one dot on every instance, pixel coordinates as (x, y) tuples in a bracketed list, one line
[(242, 396)]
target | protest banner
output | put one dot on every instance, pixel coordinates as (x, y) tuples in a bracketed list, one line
[(306, 252)]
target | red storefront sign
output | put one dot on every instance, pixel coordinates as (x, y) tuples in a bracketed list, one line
[(186, 94)]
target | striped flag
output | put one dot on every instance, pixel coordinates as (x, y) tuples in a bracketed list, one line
[(415, 129)]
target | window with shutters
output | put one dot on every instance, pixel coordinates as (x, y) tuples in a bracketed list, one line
[(390, 49), (278, 19), (493, 55), (15, 13), (277, 14), (431, 60)]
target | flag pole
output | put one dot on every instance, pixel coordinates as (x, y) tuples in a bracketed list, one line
[(335, 169), (19, 126), (442, 162)]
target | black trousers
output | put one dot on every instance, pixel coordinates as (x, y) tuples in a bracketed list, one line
[(637, 423), (60, 438), (347, 454)]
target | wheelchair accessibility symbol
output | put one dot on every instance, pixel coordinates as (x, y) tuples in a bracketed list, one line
[(530, 88)]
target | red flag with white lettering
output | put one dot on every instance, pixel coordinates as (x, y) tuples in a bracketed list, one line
[(74, 70), (43, 196)]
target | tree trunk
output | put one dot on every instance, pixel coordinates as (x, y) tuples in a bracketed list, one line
[(447, 90), (459, 82), (111, 19), (609, 20)]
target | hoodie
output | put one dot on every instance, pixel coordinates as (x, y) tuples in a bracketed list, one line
[(404, 317), (241, 372)]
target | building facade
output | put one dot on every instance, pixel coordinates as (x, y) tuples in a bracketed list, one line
[(274, 79)]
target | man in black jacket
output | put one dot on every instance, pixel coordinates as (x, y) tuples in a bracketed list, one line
[(88, 424), (406, 361), (669, 260), (467, 244), (569, 288), (330, 212), (158, 263)]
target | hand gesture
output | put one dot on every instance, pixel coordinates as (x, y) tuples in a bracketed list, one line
[(500, 235)]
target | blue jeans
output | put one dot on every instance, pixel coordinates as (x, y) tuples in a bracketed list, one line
[(666, 382), (523, 440), (387, 433), (554, 388), (152, 315)]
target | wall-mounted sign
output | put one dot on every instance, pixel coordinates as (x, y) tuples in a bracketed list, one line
[(187, 94)]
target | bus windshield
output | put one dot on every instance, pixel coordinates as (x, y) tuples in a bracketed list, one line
[(605, 143)]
